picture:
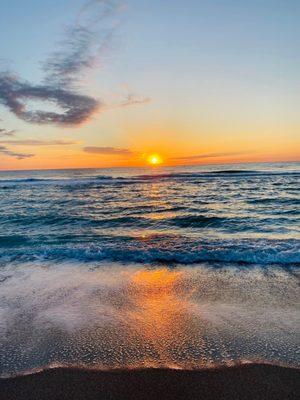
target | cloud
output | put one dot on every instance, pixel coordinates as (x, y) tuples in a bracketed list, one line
[(83, 43), (33, 142), (78, 50), (133, 99), (20, 156), (210, 155), (5, 132), (107, 150), (75, 108)]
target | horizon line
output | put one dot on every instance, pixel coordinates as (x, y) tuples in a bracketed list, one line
[(151, 167)]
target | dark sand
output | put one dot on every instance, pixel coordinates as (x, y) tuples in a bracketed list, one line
[(241, 382)]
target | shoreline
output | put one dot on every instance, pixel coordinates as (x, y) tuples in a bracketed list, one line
[(244, 381)]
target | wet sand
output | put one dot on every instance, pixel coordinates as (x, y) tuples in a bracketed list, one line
[(250, 381)]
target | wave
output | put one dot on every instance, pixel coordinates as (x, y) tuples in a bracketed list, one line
[(161, 249), (196, 221), (234, 171), (275, 200), (25, 180), (137, 218), (132, 179), (13, 240), (213, 174), (61, 220)]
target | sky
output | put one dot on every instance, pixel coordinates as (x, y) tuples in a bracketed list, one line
[(100, 83)]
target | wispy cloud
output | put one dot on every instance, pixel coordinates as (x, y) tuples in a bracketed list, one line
[(107, 150), (20, 156), (5, 132), (33, 142), (210, 155), (133, 99), (27, 142), (83, 42)]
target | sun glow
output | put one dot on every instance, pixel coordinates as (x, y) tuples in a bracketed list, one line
[(154, 159)]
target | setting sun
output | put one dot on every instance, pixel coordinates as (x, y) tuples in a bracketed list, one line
[(154, 159)]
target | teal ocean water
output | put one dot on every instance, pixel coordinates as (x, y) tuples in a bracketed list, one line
[(184, 267)]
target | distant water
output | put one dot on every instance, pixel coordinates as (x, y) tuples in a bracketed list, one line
[(186, 266)]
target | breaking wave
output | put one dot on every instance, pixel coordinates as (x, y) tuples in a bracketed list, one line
[(159, 249)]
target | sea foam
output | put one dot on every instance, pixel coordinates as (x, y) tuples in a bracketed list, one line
[(116, 316)]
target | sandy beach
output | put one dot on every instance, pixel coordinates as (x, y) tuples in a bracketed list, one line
[(252, 381)]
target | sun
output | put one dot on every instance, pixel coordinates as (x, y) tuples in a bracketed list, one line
[(154, 159)]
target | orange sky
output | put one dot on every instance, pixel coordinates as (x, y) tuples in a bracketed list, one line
[(133, 142)]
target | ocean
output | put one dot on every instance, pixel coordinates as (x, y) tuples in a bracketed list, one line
[(175, 267)]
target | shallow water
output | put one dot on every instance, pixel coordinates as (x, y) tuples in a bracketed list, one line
[(183, 267), (116, 316)]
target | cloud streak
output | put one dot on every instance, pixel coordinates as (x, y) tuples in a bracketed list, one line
[(83, 43), (5, 132), (133, 99), (33, 142), (107, 150), (210, 155), (19, 156)]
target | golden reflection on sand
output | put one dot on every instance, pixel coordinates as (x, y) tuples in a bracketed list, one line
[(133, 317), (160, 312)]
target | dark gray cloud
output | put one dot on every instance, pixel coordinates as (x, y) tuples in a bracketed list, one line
[(20, 156), (5, 132), (78, 50), (107, 150), (75, 108), (210, 155), (33, 142), (84, 42)]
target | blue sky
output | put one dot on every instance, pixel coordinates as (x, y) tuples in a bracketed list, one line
[(216, 69)]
